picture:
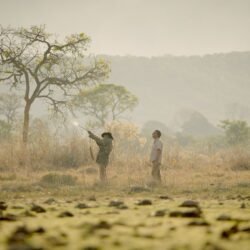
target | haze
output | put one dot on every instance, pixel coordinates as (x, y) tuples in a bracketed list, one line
[(141, 27)]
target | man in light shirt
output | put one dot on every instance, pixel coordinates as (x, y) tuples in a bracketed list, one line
[(156, 156)]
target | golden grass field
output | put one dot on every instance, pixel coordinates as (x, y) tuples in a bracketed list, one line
[(219, 190), (51, 198)]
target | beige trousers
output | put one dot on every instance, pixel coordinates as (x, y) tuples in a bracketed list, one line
[(156, 173)]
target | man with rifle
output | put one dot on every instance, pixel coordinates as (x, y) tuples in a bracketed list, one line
[(105, 147)]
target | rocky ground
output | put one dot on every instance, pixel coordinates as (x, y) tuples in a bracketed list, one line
[(137, 220)]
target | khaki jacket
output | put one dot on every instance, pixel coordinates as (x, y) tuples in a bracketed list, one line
[(105, 147)]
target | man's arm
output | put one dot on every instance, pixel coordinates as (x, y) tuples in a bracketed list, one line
[(158, 154), (97, 139)]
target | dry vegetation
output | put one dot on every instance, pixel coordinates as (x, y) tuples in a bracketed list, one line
[(184, 170), (51, 197)]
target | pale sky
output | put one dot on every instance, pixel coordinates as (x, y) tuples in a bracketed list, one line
[(140, 27)]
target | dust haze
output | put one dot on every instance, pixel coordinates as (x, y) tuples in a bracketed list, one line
[(124, 124)]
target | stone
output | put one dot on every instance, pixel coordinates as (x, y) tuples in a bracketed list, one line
[(165, 197), (37, 209), (50, 201), (194, 213), (8, 217), (158, 213), (228, 232), (144, 202), (3, 205), (102, 225), (190, 203), (81, 206), (243, 205), (224, 217), (115, 203), (65, 214), (198, 223)]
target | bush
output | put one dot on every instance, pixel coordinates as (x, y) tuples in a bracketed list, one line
[(241, 165), (240, 159), (58, 179)]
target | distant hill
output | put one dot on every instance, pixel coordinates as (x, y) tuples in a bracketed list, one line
[(165, 85), (169, 88)]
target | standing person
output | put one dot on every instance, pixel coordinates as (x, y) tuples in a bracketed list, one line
[(105, 147), (156, 156)]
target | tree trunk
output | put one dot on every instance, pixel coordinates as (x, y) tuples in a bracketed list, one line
[(26, 122)]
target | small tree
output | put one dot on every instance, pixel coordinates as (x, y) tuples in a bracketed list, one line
[(9, 105), (236, 131), (44, 68), (105, 102)]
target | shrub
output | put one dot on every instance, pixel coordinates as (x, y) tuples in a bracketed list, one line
[(58, 179)]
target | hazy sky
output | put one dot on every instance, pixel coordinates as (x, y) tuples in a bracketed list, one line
[(141, 27)]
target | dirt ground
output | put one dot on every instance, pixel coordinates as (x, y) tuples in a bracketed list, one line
[(134, 218)]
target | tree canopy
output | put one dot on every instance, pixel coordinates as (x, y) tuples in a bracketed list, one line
[(236, 131), (105, 102), (46, 68)]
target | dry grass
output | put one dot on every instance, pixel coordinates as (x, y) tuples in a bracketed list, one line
[(184, 170)]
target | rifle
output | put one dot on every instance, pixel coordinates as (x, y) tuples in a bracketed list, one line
[(90, 149)]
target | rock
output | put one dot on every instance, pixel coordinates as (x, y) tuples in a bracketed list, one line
[(39, 230), (37, 209), (116, 203), (65, 214), (92, 228), (194, 213), (198, 223), (3, 205), (224, 217), (123, 206), (245, 229), (228, 232), (243, 205), (190, 203), (102, 225), (17, 207), (22, 232), (144, 202), (165, 197), (50, 201), (158, 213), (19, 234), (8, 217), (81, 206)]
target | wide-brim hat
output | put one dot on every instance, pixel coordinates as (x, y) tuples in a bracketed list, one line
[(108, 134)]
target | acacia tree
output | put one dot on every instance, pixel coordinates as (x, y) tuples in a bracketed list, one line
[(105, 102), (44, 68)]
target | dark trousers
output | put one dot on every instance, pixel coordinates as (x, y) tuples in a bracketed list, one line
[(156, 173), (102, 172)]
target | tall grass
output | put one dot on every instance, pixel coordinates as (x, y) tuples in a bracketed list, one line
[(183, 169)]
